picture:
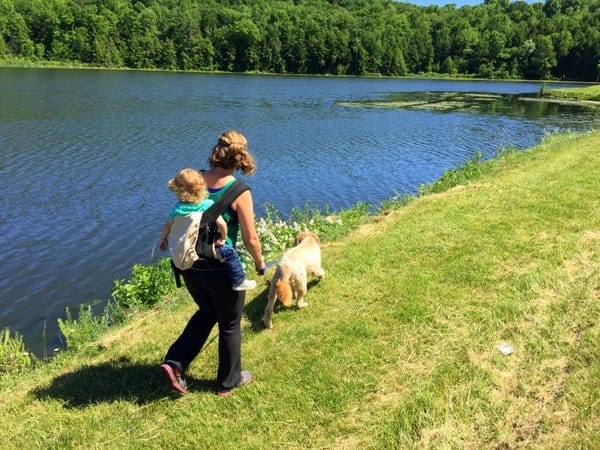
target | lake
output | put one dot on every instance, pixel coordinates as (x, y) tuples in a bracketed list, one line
[(85, 156)]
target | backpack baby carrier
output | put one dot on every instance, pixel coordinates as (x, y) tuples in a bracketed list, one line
[(193, 235)]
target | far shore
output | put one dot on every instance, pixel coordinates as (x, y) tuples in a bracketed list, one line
[(22, 64)]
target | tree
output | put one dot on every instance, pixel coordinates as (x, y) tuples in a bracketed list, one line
[(540, 58), (448, 66), (141, 35), (552, 7), (105, 45), (418, 52), (14, 34)]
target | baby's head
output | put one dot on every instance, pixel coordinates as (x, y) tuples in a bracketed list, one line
[(188, 185)]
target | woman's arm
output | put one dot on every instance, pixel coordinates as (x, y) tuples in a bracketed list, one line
[(244, 207)]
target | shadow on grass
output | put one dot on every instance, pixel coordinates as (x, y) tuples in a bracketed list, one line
[(119, 380), (255, 309)]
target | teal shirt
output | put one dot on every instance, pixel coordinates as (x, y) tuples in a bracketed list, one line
[(183, 208)]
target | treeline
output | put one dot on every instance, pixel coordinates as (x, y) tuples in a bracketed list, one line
[(558, 39)]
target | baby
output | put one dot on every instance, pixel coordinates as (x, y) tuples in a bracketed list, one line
[(190, 188)]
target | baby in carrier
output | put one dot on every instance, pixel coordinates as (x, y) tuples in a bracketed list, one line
[(181, 228)]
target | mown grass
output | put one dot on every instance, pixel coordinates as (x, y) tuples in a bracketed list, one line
[(398, 348)]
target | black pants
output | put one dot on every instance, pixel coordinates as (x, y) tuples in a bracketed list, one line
[(219, 304)]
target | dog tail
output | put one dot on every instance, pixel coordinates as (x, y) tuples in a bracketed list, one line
[(284, 290)]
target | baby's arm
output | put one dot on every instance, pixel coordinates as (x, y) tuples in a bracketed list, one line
[(222, 225), (163, 243)]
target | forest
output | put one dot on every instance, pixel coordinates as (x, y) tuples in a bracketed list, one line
[(551, 40)]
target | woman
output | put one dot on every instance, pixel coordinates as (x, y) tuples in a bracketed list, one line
[(207, 280)]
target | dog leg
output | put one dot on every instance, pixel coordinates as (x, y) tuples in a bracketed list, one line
[(272, 297), (301, 288), (318, 272)]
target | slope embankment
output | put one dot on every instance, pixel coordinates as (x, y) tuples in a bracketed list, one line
[(464, 319)]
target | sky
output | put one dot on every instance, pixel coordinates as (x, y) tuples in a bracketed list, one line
[(458, 3)]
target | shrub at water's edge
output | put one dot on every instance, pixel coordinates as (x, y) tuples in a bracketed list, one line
[(146, 286), (14, 357)]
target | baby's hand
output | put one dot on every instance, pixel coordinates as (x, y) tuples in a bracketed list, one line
[(163, 244)]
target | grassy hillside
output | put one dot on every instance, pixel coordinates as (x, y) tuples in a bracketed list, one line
[(399, 347)]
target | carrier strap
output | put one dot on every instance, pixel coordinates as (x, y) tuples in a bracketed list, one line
[(177, 274), (219, 207)]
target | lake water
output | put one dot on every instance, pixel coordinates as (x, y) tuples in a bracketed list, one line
[(85, 156)]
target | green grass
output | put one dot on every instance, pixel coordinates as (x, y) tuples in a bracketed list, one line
[(398, 347), (580, 93)]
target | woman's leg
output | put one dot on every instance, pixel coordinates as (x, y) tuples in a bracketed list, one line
[(229, 311), (218, 303), (196, 332)]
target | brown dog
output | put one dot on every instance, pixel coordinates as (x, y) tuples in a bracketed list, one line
[(289, 281)]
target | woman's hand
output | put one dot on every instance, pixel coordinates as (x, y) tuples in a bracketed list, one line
[(261, 269)]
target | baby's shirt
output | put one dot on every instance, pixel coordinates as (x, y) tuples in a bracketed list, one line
[(184, 208)]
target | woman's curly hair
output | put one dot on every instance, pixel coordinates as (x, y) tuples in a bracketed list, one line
[(188, 185), (231, 152)]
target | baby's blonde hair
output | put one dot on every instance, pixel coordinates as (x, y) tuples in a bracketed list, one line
[(231, 152), (188, 185)]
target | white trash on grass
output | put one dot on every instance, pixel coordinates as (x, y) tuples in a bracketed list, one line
[(505, 348)]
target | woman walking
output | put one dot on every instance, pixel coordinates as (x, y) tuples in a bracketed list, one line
[(208, 283)]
